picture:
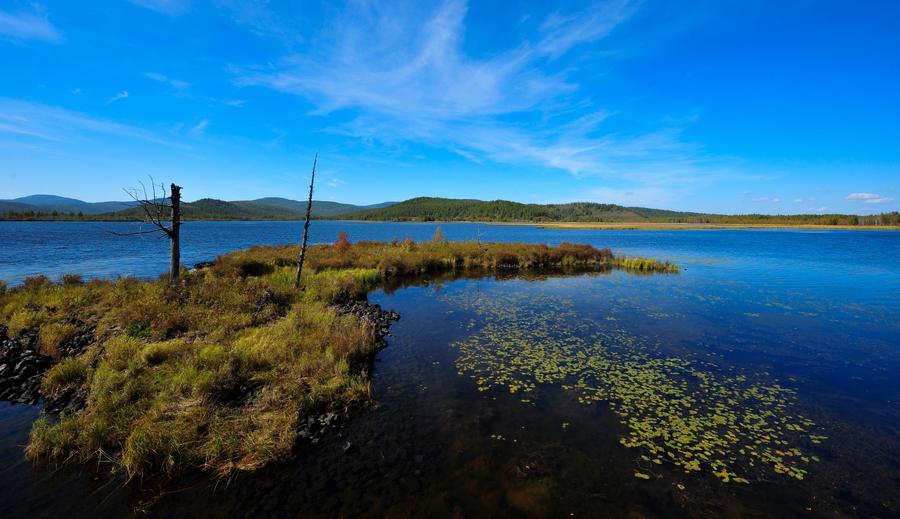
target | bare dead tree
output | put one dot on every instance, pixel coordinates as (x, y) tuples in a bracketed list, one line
[(306, 223), (158, 208)]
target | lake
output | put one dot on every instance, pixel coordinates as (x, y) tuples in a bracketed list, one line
[(760, 381)]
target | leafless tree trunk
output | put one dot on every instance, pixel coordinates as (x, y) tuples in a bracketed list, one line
[(306, 224), (156, 207), (175, 234)]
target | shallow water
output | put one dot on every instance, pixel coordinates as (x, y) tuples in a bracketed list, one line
[(806, 319)]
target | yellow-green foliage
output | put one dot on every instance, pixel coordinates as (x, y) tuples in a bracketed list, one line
[(646, 265), (165, 375), (52, 335), (67, 372)]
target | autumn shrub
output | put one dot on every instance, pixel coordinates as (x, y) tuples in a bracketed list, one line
[(438, 237), (342, 244), (71, 280), (36, 282)]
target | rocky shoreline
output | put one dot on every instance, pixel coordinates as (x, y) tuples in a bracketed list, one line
[(379, 318), (22, 367)]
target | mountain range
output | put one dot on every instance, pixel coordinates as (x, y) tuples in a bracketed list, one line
[(50, 207), (271, 208)]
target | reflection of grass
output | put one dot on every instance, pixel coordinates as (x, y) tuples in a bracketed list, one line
[(218, 371), (676, 411)]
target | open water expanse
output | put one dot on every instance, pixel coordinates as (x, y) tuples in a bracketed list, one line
[(761, 381)]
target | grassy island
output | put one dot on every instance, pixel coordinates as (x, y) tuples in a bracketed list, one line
[(221, 371)]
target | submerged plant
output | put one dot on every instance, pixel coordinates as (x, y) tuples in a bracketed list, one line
[(676, 411)]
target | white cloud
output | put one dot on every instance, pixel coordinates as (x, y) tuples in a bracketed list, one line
[(405, 75), (28, 26), (170, 7), (48, 123), (121, 95), (181, 85), (561, 33), (868, 198), (767, 199), (200, 127)]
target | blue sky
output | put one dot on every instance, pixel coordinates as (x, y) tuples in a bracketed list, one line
[(734, 107)]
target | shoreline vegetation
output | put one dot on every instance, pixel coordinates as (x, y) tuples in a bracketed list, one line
[(233, 366), (581, 215)]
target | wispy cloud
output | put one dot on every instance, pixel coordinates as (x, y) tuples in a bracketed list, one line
[(406, 77), (868, 198), (121, 95), (181, 85), (767, 199), (28, 26), (200, 127), (48, 123), (169, 7)]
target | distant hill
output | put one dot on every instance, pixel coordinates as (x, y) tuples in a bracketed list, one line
[(272, 208), (423, 209), (448, 209), (45, 203)]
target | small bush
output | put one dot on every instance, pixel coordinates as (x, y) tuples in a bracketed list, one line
[(438, 237), (36, 282), (138, 330), (250, 268), (71, 280), (342, 244)]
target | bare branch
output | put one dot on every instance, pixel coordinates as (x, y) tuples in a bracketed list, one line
[(156, 205)]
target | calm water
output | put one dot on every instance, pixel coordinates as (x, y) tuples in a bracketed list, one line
[(509, 397)]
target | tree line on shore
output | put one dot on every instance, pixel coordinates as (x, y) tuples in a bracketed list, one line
[(444, 209)]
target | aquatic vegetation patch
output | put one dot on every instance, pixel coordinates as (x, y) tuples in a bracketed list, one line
[(677, 411)]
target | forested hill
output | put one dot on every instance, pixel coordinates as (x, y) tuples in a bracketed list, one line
[(447, 209), (204, 209), (423, 209)]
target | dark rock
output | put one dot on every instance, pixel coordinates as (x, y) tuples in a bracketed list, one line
[(204, 265), (67, 400), (268, 297), (22, 368), (238, 393), (315, 427), (380, 319)]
